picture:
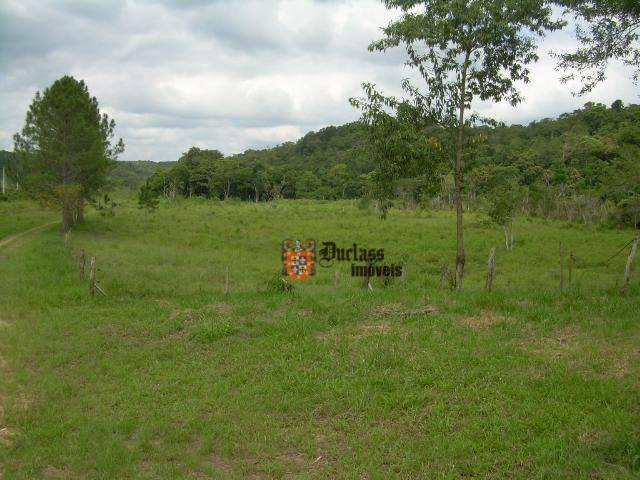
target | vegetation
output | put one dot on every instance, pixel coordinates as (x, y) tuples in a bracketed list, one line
[(606, 30), (462, 51), (580, 167), (329, 164), (131, 175), (199, 359), (65, 147), (167, 378), (20, 215)]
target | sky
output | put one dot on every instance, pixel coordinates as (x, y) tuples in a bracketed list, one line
[(231, 74)]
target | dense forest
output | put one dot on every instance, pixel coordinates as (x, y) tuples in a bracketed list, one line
[(584, 165), (328, 164)]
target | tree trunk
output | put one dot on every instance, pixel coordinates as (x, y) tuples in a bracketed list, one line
[(491, 268), (67, 217), (80, 211), (460, 257), (511, 235)]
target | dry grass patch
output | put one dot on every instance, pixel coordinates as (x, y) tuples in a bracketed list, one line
[(399, 310), (366, 329), (484, 320), (215, 462), (220, 308), (54, 472), (610, 358), (6, 436)]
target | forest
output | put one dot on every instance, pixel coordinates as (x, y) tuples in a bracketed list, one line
[(581, 166)]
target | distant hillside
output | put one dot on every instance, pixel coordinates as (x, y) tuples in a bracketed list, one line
[(131, 175), (582, 165), (318, 151), (126, 175), (330, 163)]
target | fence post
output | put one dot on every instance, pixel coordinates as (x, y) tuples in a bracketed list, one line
[(367, 279), (561, 266), (92, 276), (491, 268), (627, 269), (226, 281), (81, 263), (403, 277), (571, 260)]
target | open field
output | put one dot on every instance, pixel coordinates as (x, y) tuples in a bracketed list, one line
[(20, 215), (167, 378)]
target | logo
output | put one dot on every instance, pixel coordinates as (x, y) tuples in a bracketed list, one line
[(370, 259), (298, 259)]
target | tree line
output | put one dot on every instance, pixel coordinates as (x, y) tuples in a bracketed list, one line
[(330, 164), (581, 166)]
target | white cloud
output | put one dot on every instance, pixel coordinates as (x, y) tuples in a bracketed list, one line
[(227, 74)]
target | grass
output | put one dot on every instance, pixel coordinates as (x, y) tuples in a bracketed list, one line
[(167, 378), (19, 215)]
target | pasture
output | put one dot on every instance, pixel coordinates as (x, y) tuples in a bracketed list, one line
[(166, 377)]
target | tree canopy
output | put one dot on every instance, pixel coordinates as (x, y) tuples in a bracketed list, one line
[(606, 30), (66, 147), (463, 51)]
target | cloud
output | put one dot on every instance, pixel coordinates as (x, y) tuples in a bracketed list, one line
[(227, 74)]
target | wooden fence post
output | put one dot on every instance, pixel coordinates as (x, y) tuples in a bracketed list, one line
[(627, 269), (491, 268), (81, 263), (92, 276), (403, 277), (367, 279), (571, 261), (561, 267)]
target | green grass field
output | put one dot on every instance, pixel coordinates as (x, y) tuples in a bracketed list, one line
[(167, 378), (20, 215)]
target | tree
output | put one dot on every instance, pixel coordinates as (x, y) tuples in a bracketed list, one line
[(66, 147), (194, 169), (258, 180), (611, 31), (463, 51), (147, 197)]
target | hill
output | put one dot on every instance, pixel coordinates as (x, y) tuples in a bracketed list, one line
[(581, 165), (130, 175)]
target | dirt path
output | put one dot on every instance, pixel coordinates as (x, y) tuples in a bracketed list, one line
[(7, 432), (7, 240)]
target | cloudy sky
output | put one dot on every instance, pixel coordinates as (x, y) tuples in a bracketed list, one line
[(228, 74)]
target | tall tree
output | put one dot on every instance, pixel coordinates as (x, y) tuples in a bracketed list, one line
[(66, 147), (606, 30), (464, 50)]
